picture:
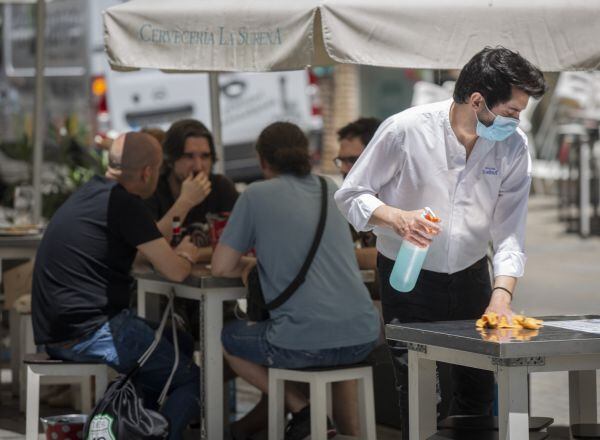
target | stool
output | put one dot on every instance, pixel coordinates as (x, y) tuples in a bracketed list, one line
[(455, 434), (319, 381), (586, 431), (23, 343), (488, 423), (39, 365)]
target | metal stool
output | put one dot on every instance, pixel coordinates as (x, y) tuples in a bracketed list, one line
[(320, 398), (39, 365)]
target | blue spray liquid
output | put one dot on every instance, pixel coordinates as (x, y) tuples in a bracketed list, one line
[(407, 266), (409, 261)]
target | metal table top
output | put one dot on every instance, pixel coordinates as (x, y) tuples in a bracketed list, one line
[(200, 278), (500, 343)]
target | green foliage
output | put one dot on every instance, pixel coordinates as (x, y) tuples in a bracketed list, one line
[(68, 164)]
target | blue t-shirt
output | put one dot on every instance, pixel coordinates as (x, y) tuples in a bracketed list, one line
[(332, 308)]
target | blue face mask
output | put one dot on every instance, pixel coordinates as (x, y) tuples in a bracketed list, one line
[(501, 128)]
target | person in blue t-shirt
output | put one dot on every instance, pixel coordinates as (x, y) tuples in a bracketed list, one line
[(330, 319)]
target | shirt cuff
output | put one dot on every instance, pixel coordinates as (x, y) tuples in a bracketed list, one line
[(510, 264), (364, 205)]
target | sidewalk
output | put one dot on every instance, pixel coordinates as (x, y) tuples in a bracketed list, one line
[(562, 276)]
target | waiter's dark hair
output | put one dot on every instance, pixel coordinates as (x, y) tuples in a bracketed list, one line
[(493, 72), (285, 148), (174, 142)]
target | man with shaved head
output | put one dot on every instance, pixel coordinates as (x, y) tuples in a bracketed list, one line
[(82, 283)]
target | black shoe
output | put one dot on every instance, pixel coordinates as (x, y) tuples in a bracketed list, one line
[(298, 428)]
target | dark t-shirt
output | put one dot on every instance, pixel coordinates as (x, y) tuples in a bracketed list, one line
[(222, 197), (82, 269)]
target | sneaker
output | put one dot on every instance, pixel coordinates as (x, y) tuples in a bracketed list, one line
[(298, 428)]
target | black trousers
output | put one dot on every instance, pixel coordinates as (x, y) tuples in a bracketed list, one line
[(440, 297)]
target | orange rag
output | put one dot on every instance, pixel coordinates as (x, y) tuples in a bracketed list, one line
[(490, 320)]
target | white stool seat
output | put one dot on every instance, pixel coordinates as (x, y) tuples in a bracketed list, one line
[(319, 380), (38, 365)]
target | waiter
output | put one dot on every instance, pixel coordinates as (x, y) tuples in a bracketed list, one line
[(467, 160)]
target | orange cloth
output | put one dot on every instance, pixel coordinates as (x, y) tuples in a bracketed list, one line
[(490, 320), (507, 334)]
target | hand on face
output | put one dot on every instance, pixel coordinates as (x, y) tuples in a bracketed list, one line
[(413, 227), (194, 190)]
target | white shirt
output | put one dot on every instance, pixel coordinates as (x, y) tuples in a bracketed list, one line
[(415, 160)]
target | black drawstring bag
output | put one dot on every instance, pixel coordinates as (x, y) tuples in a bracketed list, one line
[(256, 308), (121, 414)]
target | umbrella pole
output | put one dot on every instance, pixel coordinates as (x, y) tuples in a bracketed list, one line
[(215, 117), (38, 135)]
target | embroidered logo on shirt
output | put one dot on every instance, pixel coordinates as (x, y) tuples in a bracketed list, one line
[(490, 171)]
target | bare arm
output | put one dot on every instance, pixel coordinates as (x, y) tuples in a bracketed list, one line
[(500, 301), (173, 264), (228, 262), (193, 192)]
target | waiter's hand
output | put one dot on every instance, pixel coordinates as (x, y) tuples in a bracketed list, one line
[(500, 304), (410, 225)]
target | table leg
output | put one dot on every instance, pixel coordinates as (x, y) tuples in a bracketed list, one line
[(141, 299), (213, 366), (16, 351), (421, 397), (513, 403), (582, 397)]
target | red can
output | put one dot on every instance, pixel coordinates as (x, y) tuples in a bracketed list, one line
[(67, 427), (217, 224)]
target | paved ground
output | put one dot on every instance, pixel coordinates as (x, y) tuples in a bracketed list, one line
[(562, 277)]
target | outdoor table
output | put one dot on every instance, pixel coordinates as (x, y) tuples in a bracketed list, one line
[(15, 247), (210, 292), (512, 355)]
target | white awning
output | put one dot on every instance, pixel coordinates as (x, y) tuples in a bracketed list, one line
[(263, 35)]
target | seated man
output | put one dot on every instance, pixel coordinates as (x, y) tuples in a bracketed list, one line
[(188, 188), (81, 280), (353, 139), (330, 319)]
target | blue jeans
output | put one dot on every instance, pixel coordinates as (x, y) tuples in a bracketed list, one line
[(248, 341), (120, 342)]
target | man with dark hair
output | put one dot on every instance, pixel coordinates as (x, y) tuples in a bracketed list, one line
[(81, 289), (189, 189), (353, 139), (466, 159), (190, 155)]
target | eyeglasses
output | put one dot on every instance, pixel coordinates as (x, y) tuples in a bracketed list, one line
[(191, 156), (350, 160)]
